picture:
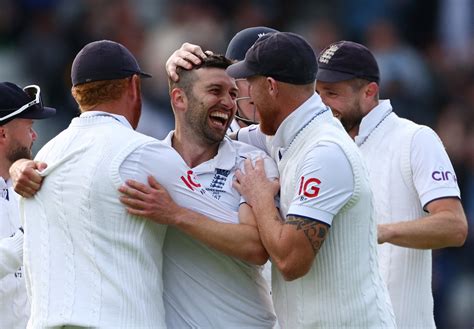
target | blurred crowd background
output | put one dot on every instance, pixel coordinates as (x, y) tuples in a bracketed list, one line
[(425, 50)]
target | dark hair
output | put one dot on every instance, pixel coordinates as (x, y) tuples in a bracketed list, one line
[(187, 77)]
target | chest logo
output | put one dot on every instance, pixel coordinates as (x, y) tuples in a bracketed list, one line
[(189, 180), (218, 182), (219, 178), (309, 187)]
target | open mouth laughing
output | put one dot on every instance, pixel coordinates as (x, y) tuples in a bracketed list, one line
[(220, 119)]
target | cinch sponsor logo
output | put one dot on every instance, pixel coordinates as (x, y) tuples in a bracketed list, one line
[(443, 176), (189, 180), (309, 187)]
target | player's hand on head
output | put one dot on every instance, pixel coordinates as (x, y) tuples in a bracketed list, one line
[(25, 176), (151, 201), (185, 57)]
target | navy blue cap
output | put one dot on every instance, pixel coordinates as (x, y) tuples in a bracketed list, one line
[(104, 60), (243, 40), (345, 60), (22, 103), (284, 56)]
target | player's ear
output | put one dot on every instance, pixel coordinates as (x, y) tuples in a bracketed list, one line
[(272, 86), (371, 90), (3, 134), (179, 100)]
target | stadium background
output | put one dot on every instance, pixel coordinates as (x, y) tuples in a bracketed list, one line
[(425, 50)]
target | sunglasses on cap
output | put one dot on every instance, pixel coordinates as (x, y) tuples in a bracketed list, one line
[(34, 92)]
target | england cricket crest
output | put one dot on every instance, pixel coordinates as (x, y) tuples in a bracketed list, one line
[(218, 182)]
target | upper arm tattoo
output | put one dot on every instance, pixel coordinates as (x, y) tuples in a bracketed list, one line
[(315, 231)]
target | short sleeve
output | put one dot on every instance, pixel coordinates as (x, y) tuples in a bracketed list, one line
[(141, 162), (433, 173), (325, 184)]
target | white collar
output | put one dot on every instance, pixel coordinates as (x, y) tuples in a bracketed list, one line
[(297, 120), (372, 120), (234, 127), (225, 158), (118, 117)]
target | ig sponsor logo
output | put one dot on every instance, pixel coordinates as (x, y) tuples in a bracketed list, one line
[(309, 187), (443, 175)]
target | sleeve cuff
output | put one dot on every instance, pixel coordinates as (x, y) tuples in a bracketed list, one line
[(311, 213), (439, 193)]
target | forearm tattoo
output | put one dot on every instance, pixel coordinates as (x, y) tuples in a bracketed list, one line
[(315, 231)]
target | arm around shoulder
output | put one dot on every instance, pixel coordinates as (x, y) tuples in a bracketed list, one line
[(236, 240)]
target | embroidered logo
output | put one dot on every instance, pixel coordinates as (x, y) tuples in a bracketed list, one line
[(189, 180), (218, 182), (309, 188), (220, 178), (328, 53)]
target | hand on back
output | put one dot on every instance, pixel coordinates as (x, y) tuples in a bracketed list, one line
[(25, 176)]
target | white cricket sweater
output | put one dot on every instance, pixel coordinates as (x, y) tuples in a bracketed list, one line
[(344, 288), (88, 262), (407, 271)]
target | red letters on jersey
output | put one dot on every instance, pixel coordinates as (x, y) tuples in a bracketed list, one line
[(189, 180), (309, 187)]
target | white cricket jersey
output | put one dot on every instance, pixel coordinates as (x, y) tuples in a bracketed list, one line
[(433, 172), (405, 177), (321, 190), (14, 305), (343, 287), (203, 288)]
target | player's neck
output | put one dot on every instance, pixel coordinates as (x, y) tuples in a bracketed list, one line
[(354, 131), (4, 166), (191, 150)]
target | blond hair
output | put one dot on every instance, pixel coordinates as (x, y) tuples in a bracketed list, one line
[(89, 95)]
